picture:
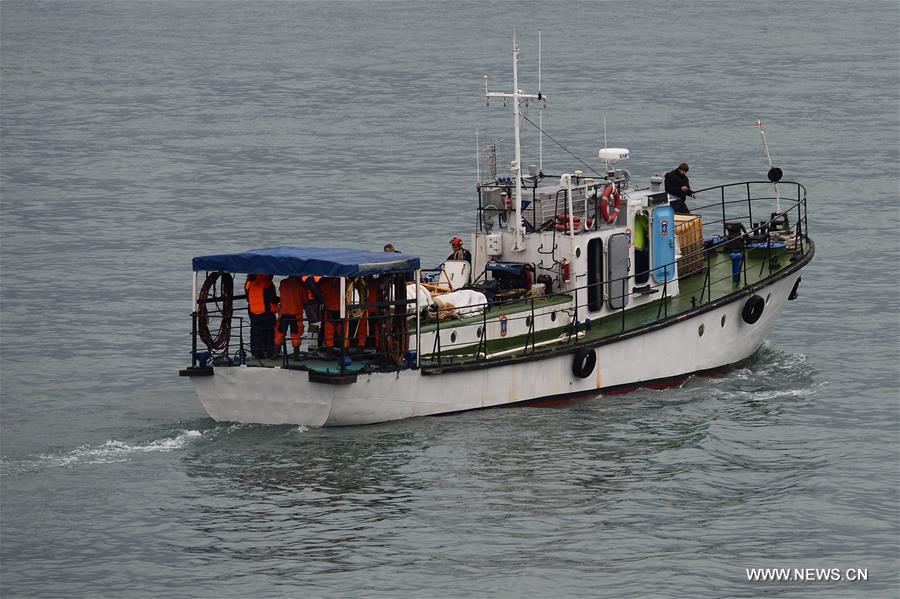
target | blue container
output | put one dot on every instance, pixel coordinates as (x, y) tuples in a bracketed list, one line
[(737, 262), (411, 359)]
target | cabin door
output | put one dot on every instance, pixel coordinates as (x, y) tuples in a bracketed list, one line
[(662, 243), (617, 250)]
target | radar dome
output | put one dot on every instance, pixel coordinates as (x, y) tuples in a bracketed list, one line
[(613, 154)]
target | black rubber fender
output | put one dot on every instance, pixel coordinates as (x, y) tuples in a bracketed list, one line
[(584, 363), (753, 309)]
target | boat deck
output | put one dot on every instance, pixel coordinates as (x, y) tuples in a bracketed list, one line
[(712, 282), (497, 311), (697, 289)]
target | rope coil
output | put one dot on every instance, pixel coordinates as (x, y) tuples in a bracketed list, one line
[(225, 309)]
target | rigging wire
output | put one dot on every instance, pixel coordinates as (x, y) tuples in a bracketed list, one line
[(551, 138)]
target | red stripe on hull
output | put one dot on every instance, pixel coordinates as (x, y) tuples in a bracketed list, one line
[(561, 401)]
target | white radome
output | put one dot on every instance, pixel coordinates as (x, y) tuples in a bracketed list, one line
[(613, 155)]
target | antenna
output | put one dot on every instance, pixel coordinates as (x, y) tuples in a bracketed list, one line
[(477, 161), (540, 113), (775, 173), (492, 159), (518, 97), (605, 142)]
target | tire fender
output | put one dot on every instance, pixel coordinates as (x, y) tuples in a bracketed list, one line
[(584, 362), (753, 309)]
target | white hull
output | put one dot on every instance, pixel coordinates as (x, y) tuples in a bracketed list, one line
[(281, 396)]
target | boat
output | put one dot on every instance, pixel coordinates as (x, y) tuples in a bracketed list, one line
[(577, 284)]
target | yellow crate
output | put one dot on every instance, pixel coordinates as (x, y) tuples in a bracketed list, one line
[(689, 233)]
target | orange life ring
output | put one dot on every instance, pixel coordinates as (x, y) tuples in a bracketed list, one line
[(610, 195)]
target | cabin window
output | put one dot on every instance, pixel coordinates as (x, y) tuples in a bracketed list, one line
[(595, 274)]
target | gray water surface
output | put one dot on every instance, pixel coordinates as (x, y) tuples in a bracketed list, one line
[(137, 135)]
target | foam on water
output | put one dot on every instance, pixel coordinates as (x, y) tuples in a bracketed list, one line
[(109, 452)]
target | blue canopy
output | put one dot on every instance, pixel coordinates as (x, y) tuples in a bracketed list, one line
[(326, 262)]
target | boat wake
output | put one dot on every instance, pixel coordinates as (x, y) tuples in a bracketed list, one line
[(772, 374), (114, 451), (111, 451)]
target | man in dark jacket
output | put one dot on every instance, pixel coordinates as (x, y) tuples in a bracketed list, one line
[(677, 185), (459, 252)]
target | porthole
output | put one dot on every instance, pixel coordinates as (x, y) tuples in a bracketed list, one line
[(453, 337), (700, 330), (723, 321), (553, 317), (578, 252), (768, 297)]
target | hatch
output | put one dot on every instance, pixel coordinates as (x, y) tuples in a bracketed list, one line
[(617, 248)]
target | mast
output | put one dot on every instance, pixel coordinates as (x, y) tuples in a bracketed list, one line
[(517, 97)]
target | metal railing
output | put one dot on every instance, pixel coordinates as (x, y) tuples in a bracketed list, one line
[(350, 338), (734, 204)]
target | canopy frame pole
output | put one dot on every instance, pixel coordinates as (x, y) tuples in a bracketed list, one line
[(195, 305), (418, 319)]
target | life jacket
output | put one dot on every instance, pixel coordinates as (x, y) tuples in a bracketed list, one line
[(310, 295), (293, 294), (461, 254), (640, 232), (330, 288), (261, 295)]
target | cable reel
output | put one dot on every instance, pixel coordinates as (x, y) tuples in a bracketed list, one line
[(223, 299)]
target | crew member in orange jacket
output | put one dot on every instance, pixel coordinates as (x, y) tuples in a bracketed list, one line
[(330, 289), (262, 304), (293, 293), (312, 307)]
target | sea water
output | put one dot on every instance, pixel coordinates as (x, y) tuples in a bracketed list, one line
[(137, 135)]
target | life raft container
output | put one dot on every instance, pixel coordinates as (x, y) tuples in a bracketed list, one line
[(610, 198), (562, 223)]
